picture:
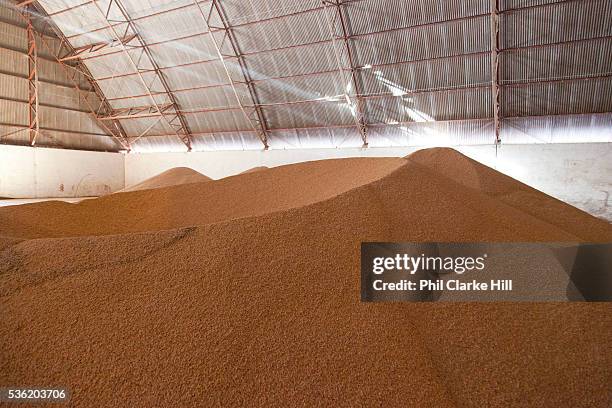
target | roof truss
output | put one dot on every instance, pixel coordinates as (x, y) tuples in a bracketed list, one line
[(115, 10), (73, 73), (253, 113)]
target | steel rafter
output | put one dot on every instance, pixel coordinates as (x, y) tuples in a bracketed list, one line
[(255, 22), (326, 41), (139, 112), (255, 114), (72, 72), (353, 99), (81, 52), (24, 4), (177, 123), (495, 88)]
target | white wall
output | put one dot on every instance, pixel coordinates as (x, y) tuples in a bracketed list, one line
[(27, 172), (580, 174)]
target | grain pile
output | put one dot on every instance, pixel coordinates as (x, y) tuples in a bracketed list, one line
[(262, 308), (255, 169), (172, 177), (195, 204)]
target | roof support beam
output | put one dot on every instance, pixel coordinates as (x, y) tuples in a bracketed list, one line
[(350, 85), (177, 123), (495, 88), (81, 52), (74, 73), (139, 112), (255, 114), (25, 3)]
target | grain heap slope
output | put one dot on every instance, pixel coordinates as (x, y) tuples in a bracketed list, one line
[(202, 203), (264, 309), (172, 177)]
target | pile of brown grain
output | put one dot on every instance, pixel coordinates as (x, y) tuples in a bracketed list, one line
[(262, 308), (187, 205), (172, 177), (255, 169)]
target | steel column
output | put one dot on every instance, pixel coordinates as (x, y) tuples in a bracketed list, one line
[(353, 99), (495, 88), (33, 125), (255, 117)]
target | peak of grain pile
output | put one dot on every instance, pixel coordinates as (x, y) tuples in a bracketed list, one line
[(245, 291), (255, 169), (172, 177)]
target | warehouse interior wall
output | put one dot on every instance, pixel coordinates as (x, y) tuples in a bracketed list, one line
[(27, 172), (575, 173)]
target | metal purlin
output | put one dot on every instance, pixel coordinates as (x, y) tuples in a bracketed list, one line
[(495, 88)]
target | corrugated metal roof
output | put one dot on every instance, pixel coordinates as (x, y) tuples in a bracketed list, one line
[(226, 141), (431, 106), (590, 58), (300, 88), (245, 11), (301, 115), (320, 57), (562, 21), (211, 98), (428, 75), (218, 121), (433, 41), (416, 63), (584, 96), (368, 16)]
